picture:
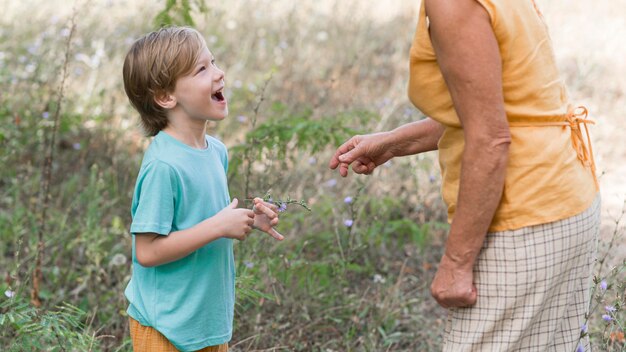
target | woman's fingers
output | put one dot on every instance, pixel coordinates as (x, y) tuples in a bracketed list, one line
[(342, 150)]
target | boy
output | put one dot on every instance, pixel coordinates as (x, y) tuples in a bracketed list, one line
[(181, 292)]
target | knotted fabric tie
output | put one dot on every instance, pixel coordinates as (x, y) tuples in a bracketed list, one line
[(576, 119)]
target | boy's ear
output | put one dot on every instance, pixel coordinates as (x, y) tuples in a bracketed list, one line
[(165, 100)]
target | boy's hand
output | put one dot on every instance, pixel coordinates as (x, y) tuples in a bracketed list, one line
[(266, 217), (236, 223)]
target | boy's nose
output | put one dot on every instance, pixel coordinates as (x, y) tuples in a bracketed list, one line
[(219, 76)]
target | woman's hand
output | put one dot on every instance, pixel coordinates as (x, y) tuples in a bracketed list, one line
[(453, 284), (363, 152)]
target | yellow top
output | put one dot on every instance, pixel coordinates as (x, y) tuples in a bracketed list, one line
[(550, 174)]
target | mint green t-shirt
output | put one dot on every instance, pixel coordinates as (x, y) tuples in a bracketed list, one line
[(190, 301)]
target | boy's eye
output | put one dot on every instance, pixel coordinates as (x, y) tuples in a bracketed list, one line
[(202, 68)]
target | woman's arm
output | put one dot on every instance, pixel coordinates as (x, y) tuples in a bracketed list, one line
[(366, 152), (469, 58)]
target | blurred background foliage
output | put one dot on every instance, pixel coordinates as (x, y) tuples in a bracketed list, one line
[(301, 77)]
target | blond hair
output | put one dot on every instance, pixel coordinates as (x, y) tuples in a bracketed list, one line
[(152, 66)]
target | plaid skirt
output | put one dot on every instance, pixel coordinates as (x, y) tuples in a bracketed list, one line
[(147, 339), (533, 289)]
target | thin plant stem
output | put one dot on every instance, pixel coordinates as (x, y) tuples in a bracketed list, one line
[(44, 188), (253, 142)]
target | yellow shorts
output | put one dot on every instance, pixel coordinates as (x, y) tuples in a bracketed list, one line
[(147, 339)]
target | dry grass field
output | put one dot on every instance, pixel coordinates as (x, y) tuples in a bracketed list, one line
[(308, 73)]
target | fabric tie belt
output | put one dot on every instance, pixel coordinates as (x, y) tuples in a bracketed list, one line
[(576, 119)]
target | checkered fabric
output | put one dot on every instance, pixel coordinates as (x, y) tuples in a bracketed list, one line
[(147, 339), (533, 289)]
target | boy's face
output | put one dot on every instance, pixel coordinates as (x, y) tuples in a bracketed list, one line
[(199, 94)]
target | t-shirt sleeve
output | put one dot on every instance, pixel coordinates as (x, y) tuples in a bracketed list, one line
[(491, 8), (222, 150), (154, 199)]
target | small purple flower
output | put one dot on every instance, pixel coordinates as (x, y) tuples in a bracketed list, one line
[(248, 264), (583, 328), (312, 160), (282, 207), (606, 317), (348, 222), (9, 293), (432, 178), (331, 183), (610, 309), (347, 200), (580, 348), (603, 285), (242, 118), (45, 115)]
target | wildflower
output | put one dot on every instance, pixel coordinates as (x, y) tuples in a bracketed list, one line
[(45, 115), (609, 309), (312, 160), (583, 328), (65, 32), (9, 293), (580, 348), (118, 260), (388, 163), (431, 178), (282, 207), (603, 285), (331, 183), (378, 279), (347, 200), (606, 317), (248, 264), (242, 118), (76, 146), (348, 222)]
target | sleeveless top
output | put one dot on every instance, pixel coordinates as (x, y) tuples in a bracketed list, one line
[(550, 173)]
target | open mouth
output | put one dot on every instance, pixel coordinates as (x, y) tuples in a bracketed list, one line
[(218, 96)]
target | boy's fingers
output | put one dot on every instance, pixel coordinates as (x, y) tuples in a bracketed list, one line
[(233, 204), (274, 207), (258, 201), (272, 232), (263, 209)]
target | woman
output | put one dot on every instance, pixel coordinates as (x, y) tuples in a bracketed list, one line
[(517, 177)]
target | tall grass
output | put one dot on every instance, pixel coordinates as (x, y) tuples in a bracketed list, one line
[(353, 274)]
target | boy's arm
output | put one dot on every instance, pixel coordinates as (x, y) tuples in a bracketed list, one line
[(153, 249)]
